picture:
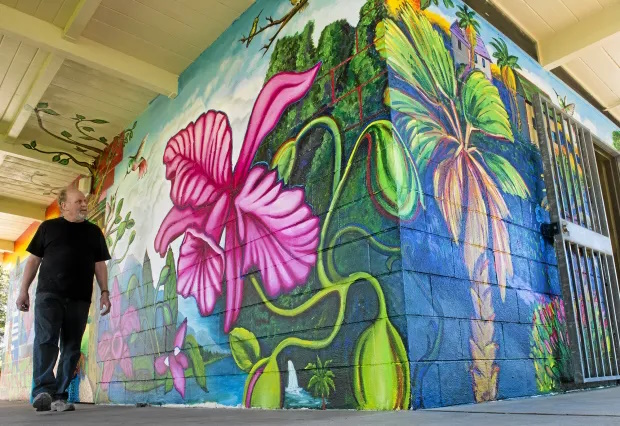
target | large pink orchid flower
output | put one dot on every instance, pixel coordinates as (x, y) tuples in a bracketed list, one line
[(176, 361), (113, 348), (267, 226)]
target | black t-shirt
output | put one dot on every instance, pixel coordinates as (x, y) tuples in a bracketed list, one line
[(69, 251)]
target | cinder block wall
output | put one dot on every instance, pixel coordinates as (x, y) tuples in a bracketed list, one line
[(347, 218)]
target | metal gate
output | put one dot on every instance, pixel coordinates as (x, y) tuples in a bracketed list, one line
[(585, 258)]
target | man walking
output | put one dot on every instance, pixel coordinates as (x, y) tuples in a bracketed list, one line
[(70, 251)]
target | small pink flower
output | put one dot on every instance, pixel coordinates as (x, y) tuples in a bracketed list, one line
[(113, 348), (176, 361), (266, 225)]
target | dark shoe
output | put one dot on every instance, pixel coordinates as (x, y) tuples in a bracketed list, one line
[(42, 402), (62, 405)]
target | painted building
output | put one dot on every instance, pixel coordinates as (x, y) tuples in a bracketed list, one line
[(461, 47), (311, 223)]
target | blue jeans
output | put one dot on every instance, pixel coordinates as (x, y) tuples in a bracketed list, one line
[(57, 319)]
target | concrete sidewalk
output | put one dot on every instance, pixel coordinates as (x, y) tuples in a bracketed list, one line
[(596, 407)]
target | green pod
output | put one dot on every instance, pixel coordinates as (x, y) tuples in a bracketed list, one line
[(263, 387), (391, 174), (381, 369), (284, 159)]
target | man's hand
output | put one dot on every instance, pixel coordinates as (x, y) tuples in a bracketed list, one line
[(105, 304), (23, 301)]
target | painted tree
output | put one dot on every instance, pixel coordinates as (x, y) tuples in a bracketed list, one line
[(322, 379), (508, 64), (468, 23), (448, 123)]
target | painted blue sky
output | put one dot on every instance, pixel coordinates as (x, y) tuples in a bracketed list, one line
[(600, 125)]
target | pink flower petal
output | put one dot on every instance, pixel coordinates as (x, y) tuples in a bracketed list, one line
[(234, 282), (209, 219), (281, 90), (198, 161), (179, 339), (276, 228), (178, 375), (182, 360), (160, 365), (107, 373), (130, 322), (201, 268), (104, 347)]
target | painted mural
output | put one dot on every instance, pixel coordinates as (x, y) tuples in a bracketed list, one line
[(341, 191)]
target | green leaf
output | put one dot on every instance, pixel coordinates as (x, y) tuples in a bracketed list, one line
[(132, 285), (66, 134), (119, 207), (49, 111), (130, 223), (169, 384), (166, 313), (27, 146), (64, 161), (197, 362), (121, 230), (132, 237), (483, 108), (88, 129), (102, 139), (42, 105), (170, 287), (99, 121), (117, 220), (244, 348), (404, 60), (33, 144), (430, 51), (508, 177), (56, 158), (79, 117), (163, 276), (108, 241)]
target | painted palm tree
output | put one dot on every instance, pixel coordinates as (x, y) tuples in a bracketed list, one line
[(469, 24), (508, 64), (448, 123), (322, 380)]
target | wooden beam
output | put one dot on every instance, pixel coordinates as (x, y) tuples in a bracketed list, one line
[(44, 77), (7, 246), (80, 18), (22, 208), (570, 41), (15, 149), (47, 36)]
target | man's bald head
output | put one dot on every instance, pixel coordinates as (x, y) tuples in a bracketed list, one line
[(72, 204)]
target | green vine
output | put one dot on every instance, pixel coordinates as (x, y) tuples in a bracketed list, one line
[(332, 284)]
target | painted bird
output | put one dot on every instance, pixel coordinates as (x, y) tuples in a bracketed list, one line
[(137, 161), (253, 30)]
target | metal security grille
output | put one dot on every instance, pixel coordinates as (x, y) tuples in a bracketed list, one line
[(585, 258)]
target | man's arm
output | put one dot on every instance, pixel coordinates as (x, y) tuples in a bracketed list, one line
[(101, 272), (30, 271)]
